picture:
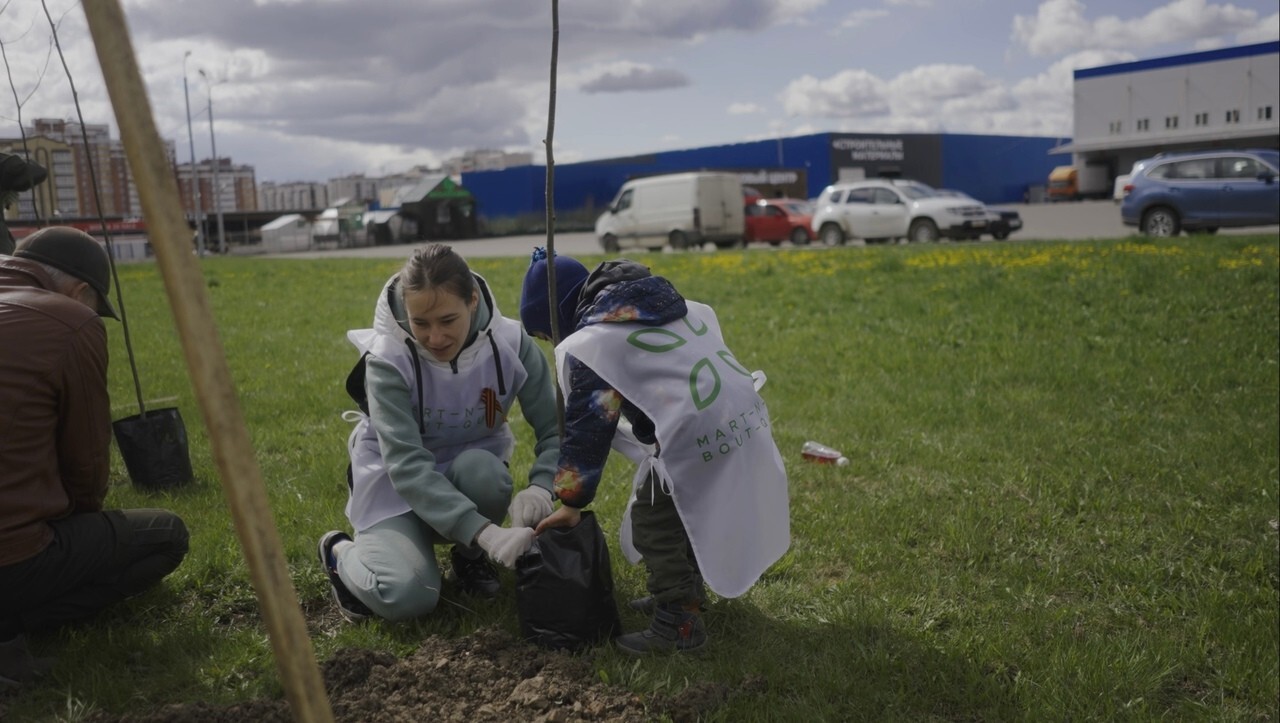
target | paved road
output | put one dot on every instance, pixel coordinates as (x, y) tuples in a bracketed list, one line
[(1041, 221)]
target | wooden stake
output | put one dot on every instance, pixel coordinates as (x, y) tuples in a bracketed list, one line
[(232, 451)]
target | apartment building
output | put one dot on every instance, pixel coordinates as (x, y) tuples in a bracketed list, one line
[(95, 156), (485, 160), (60, 146), (292, 196), (59, 194), (237, 189)]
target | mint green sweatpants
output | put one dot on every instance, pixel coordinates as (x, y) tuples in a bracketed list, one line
[(392, 566)]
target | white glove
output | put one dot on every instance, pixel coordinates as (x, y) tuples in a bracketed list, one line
[(504, 545), (529, 507)]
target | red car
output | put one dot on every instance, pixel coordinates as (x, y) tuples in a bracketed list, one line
[(779, 219)]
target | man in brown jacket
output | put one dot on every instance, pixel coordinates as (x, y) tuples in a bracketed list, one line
[(62, 557)]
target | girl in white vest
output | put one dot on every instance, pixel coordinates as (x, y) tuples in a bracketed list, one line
[(649, 373), (439, 372)]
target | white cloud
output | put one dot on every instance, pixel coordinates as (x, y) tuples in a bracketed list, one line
[(955, 98), (796, 12), (944, 97), (911, 3), (1061, 26), (848, 94), (797, 8), (635, 78), (744, 108), (858, 18), (919, 98), (1044, 101), (921, 89), (1267, 29)]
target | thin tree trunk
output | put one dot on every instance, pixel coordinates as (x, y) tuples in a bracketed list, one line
[(551, 206)]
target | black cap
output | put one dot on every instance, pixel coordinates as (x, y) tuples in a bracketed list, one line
[(17, 174), (75, 252)]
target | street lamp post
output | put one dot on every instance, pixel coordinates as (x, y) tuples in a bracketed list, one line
[(217, 187), (195, 180)]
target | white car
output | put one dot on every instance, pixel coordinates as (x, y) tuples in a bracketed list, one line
[(884, 209), (1000, 221)]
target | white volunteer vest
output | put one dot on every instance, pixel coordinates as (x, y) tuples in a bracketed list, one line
[(457, 413), (717, 457)]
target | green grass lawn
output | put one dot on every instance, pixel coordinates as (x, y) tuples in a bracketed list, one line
[(1062, 501)]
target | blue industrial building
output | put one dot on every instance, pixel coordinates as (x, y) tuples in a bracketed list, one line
[(993, 169)]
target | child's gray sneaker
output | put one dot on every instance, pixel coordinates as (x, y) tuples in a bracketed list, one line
[(674, 628)]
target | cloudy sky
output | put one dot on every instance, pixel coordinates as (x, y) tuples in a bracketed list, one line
[(312, 89)]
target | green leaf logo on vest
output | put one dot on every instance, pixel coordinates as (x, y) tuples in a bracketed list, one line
[(661, 341), (666, 340)]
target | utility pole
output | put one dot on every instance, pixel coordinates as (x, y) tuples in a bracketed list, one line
[(195, 180), (217, 187)]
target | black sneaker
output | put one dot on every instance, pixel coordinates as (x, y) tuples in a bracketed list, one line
[(351, 608), (475, 576)]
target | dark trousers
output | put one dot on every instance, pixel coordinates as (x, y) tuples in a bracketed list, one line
[(659, 535), (95, 559)]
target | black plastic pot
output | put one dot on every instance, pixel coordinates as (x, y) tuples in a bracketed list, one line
[(154, 448), (564, 588)]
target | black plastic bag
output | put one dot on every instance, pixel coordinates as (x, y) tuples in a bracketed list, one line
[(564, 588), (154, 448)]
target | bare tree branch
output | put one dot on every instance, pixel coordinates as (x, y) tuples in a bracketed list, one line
[(551, 204)]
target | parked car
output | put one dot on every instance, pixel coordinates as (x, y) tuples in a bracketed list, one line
[(778, 219), (1202, 191), (884, 209), (681, 210), (1000, 221)]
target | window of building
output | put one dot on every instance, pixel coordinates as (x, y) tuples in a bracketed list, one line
[(1144, 124), (1264, 112), (1171, 121), (1202, 119), (1233, 115)]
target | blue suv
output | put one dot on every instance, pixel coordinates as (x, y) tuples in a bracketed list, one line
[(1202, 191)]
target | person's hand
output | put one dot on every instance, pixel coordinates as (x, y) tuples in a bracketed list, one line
[(504, 545), (529, 506), (566, 516)]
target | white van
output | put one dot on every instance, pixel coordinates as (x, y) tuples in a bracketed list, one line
[(680, 209)]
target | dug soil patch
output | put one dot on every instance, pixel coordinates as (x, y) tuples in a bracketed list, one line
[(486, 676)]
